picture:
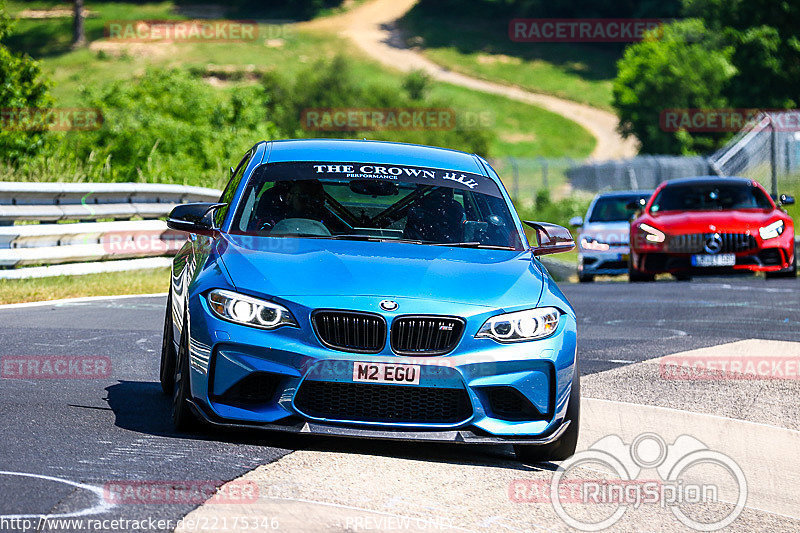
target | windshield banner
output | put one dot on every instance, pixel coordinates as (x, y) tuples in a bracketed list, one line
[(436, 177)]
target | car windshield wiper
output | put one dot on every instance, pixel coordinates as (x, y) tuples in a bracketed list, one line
[(472, 245), (372, 238)]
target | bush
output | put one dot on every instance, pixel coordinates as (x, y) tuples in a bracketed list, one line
[(416, 84), (558, 212), (22, 86), (167, 126), (171, 126)]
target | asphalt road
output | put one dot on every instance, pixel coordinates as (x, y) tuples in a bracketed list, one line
[(117, 428)]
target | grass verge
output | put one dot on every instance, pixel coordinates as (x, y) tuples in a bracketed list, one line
[(108, 284), (580, 72), (520, 130)]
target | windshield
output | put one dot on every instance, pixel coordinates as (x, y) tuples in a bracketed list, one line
[(361, 201), (615, 208), (710, 197)]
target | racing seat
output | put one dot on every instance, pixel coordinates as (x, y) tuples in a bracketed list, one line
[(437, 218)]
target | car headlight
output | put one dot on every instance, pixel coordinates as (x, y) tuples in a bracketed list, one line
[(651, 234), (772, 230), (592, 244), (249, 311), (521, 325)]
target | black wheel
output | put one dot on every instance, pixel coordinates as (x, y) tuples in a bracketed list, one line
[(790, 272), (585, 278), (634, 276), (683, 277), (182, 416), (564, 447), (167, 374)]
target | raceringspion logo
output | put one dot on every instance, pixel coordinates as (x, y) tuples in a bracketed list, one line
[(703, 489)]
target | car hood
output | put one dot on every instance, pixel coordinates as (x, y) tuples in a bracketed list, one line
[(287, 267), (739, 221), (608, 232)]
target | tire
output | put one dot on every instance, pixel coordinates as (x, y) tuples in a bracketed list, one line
[(585, 278), (182, 416), (683, 277), (564, 447), (167, 373), (634, 276), (790, 272)]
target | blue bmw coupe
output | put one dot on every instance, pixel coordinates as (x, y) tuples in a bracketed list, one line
[(375, 290)]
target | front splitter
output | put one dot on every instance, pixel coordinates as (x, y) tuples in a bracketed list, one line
[(330, 430)]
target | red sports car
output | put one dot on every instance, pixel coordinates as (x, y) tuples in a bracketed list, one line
[(712, 225)]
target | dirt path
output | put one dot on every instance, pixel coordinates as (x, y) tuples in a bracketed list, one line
[(372, 27)]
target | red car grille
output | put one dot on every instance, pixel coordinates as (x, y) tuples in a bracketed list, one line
[(695, 243)]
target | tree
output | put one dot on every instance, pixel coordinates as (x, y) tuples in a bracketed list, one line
[(767, 48), (78, 31), (746, 56), (682, 65)]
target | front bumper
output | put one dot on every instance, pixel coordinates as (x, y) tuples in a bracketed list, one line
[(611, 263), (757, 260), (225, 355)]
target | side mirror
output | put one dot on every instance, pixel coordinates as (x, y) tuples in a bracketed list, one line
[(551, 239), (192, 218), (785, 199), (576, 222)]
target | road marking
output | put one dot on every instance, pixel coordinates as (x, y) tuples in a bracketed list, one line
[(82, 299), (101, 507)]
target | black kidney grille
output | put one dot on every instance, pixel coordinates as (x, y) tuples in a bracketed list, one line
[(364, 402), (426, 335), (350, 331)]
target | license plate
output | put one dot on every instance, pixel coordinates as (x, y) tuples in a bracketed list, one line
[(386, 373), (720, 260)]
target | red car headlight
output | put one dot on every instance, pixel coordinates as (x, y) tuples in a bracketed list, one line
[(772, 231), (647, 235)]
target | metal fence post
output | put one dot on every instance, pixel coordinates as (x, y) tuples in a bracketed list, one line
[(544, 173), (773, 157), (515, 169)]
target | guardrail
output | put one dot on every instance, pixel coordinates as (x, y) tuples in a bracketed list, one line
[(53, 202), (86, 245)]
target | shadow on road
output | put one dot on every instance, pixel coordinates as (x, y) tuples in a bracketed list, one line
[(140, 406)]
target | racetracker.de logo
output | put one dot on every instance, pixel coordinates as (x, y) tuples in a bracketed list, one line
[(180, 492), (50, 119), (54, 367), (580, 30), (144, 31), (142, 242), (377, 119), (728, 120), (728, 368)]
